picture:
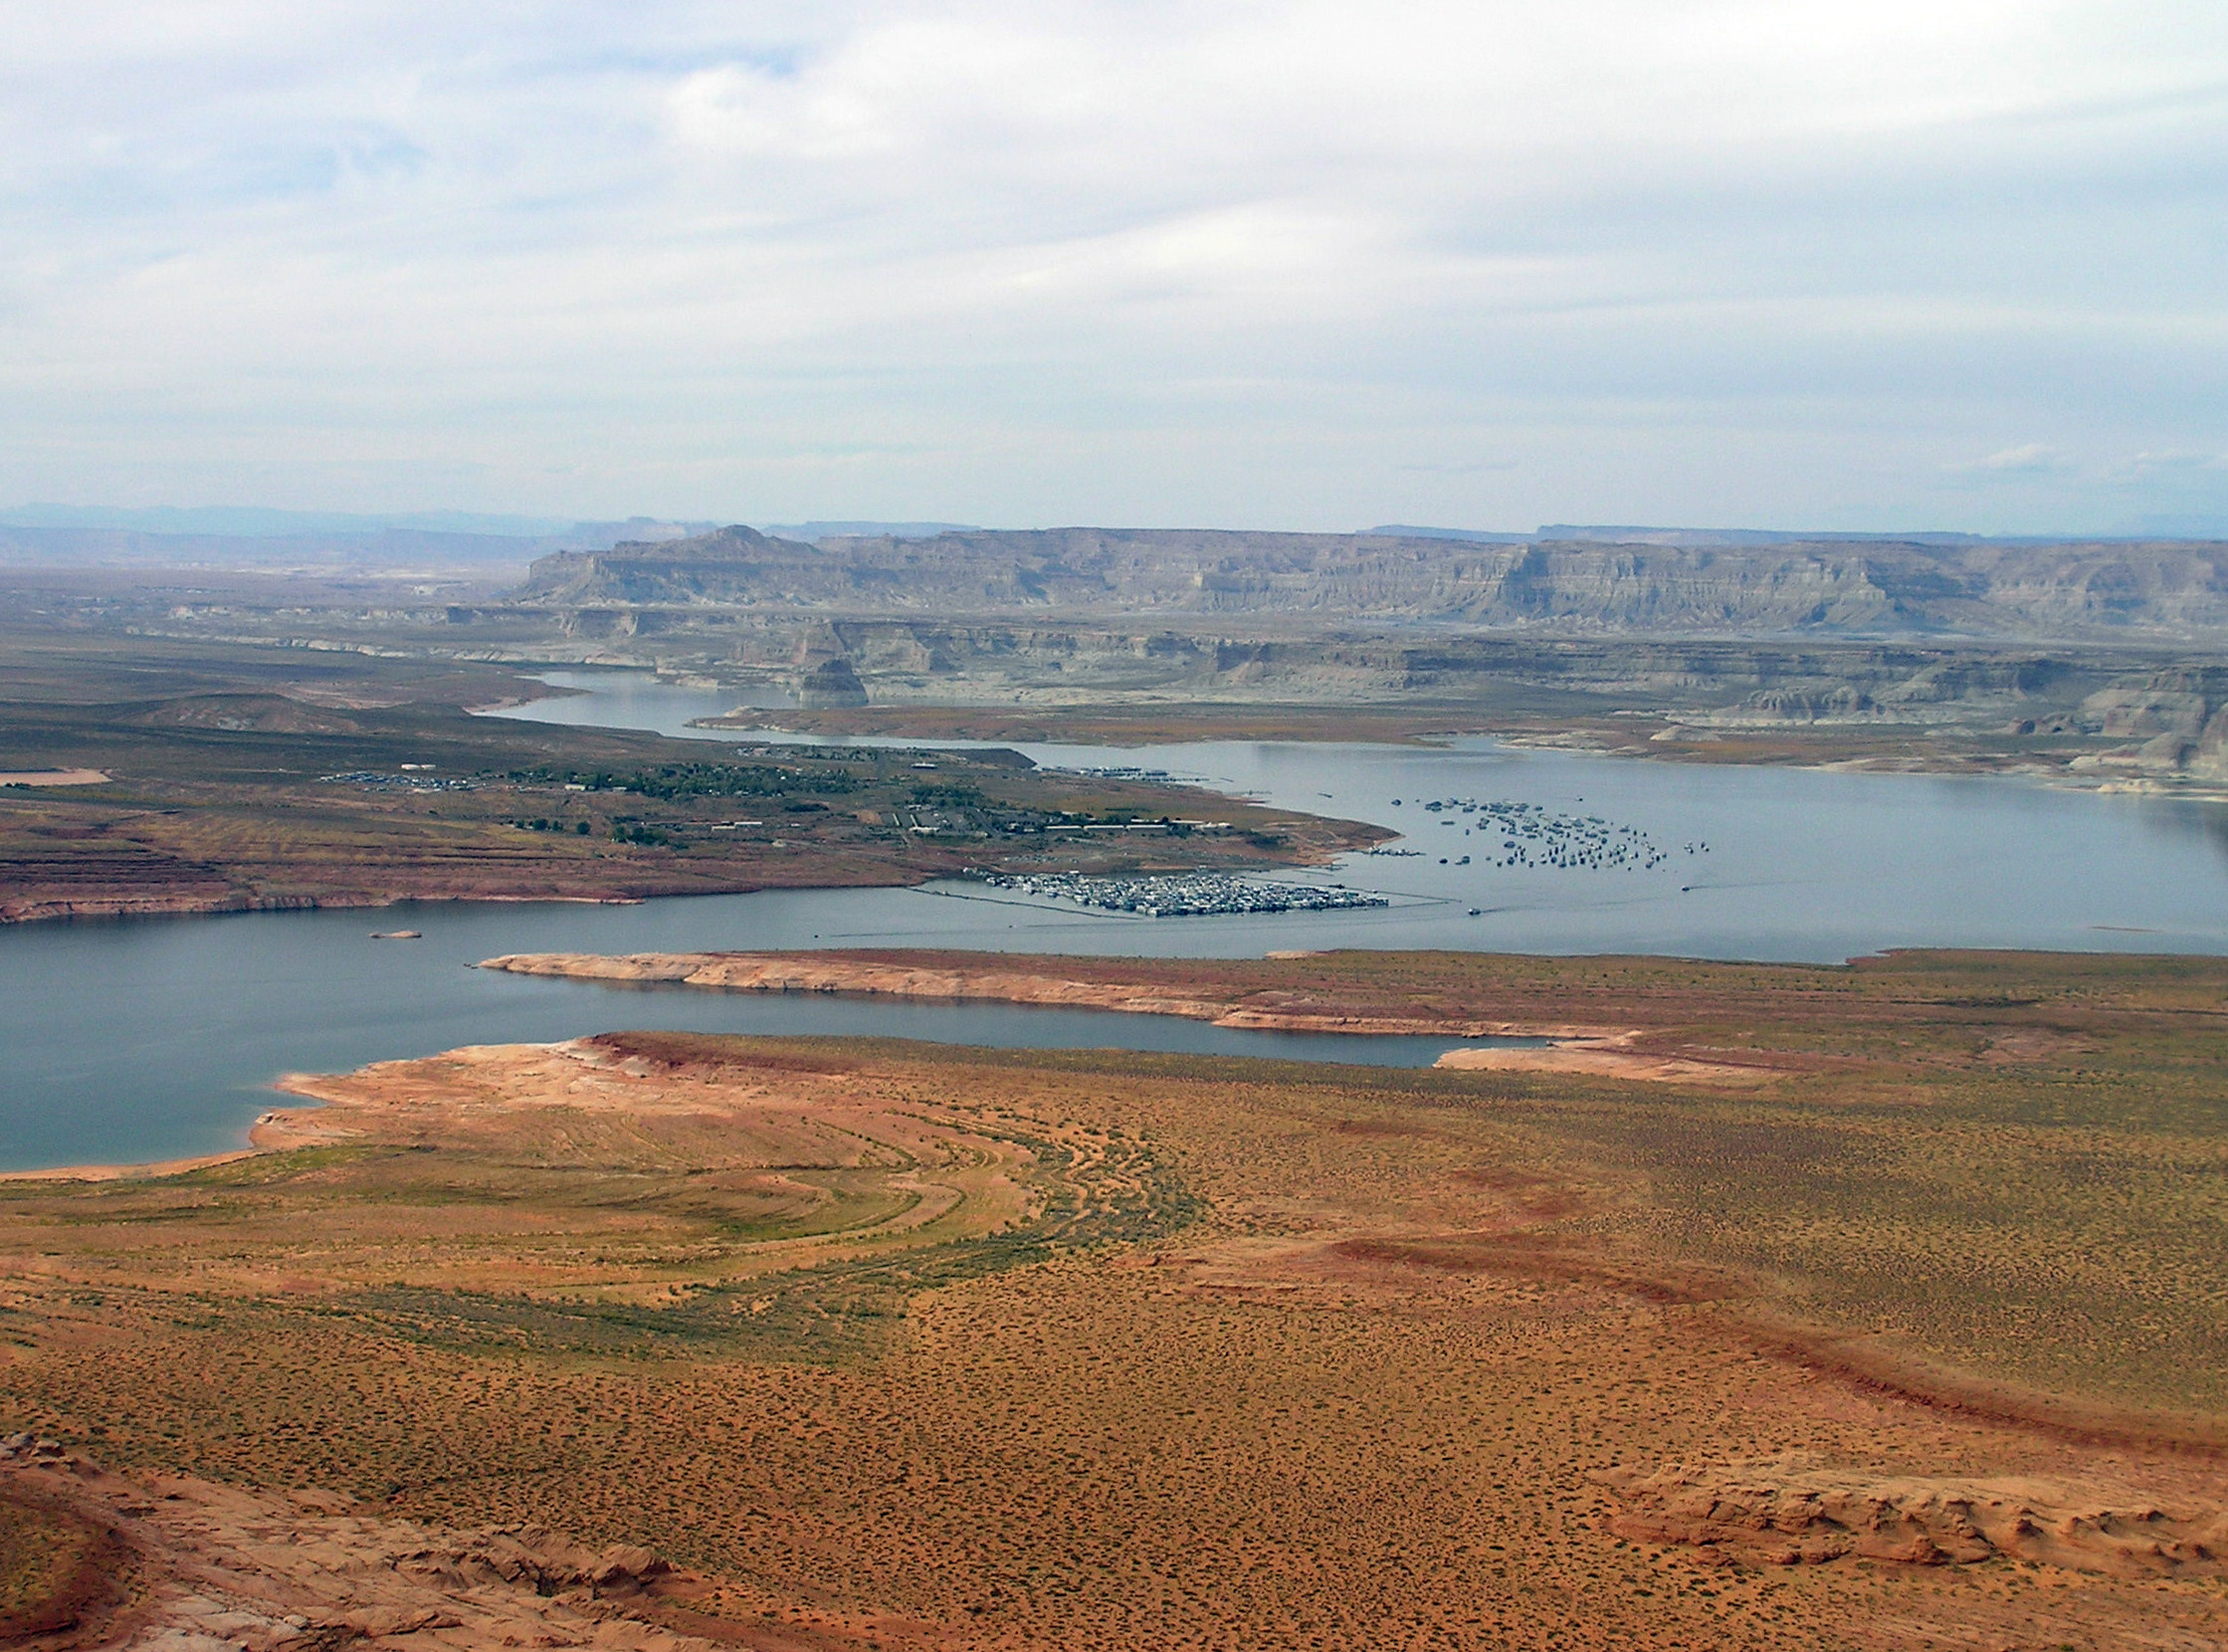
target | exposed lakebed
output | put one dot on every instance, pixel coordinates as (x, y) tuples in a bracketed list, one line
[(149, 1039)]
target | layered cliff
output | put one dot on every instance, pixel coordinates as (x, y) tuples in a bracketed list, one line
[(1969, 587)]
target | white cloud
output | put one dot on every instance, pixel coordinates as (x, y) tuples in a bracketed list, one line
[(2028, 458), (1149, 261), (2139, 468)]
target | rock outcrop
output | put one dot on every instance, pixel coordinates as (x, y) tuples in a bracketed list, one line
[(1589, 1049), (834, 684), (1785, 1513), (2176, 720), (202, 1565)]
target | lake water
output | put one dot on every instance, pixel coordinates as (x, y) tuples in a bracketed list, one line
[(152, 1038), (1801, 865)]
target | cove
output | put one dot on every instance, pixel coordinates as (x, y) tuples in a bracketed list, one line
[(136, 1040)]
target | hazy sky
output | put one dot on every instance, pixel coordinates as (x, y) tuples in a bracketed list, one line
[(1959, 263)]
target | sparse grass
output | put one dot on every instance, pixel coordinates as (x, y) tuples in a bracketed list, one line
[(50, 1564), (38, 1551), (1209, 1350)]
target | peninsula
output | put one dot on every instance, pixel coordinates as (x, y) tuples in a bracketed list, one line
[(207, 778), (659, 1339)]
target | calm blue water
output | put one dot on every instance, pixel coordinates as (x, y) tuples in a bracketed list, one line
[(154, 1038), (151, 1038), (1801, 865)]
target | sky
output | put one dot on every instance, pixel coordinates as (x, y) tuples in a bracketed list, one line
[(1958, 263)]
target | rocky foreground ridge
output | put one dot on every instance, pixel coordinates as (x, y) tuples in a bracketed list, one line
[(1788, 1513), (178, 1565), (1960, 586)]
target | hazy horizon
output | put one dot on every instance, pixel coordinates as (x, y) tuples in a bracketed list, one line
[(264, 521)]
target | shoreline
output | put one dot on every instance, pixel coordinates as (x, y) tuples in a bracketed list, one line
[(1567, 1048), (833, 972), (1866, 1363), (102, 911), (1746, 745), (275, 1129), (1575, 1048), (129, 1171)]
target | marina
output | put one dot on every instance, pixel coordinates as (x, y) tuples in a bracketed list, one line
[(1186, 895), (1534, 836)]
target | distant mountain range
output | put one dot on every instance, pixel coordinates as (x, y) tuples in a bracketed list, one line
[(247, 538), (68, 536), (1672, 582), (236, 521)]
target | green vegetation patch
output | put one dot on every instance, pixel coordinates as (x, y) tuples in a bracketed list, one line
[(671, 782)]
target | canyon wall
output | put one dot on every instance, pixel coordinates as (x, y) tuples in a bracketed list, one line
[(1960, 587)]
